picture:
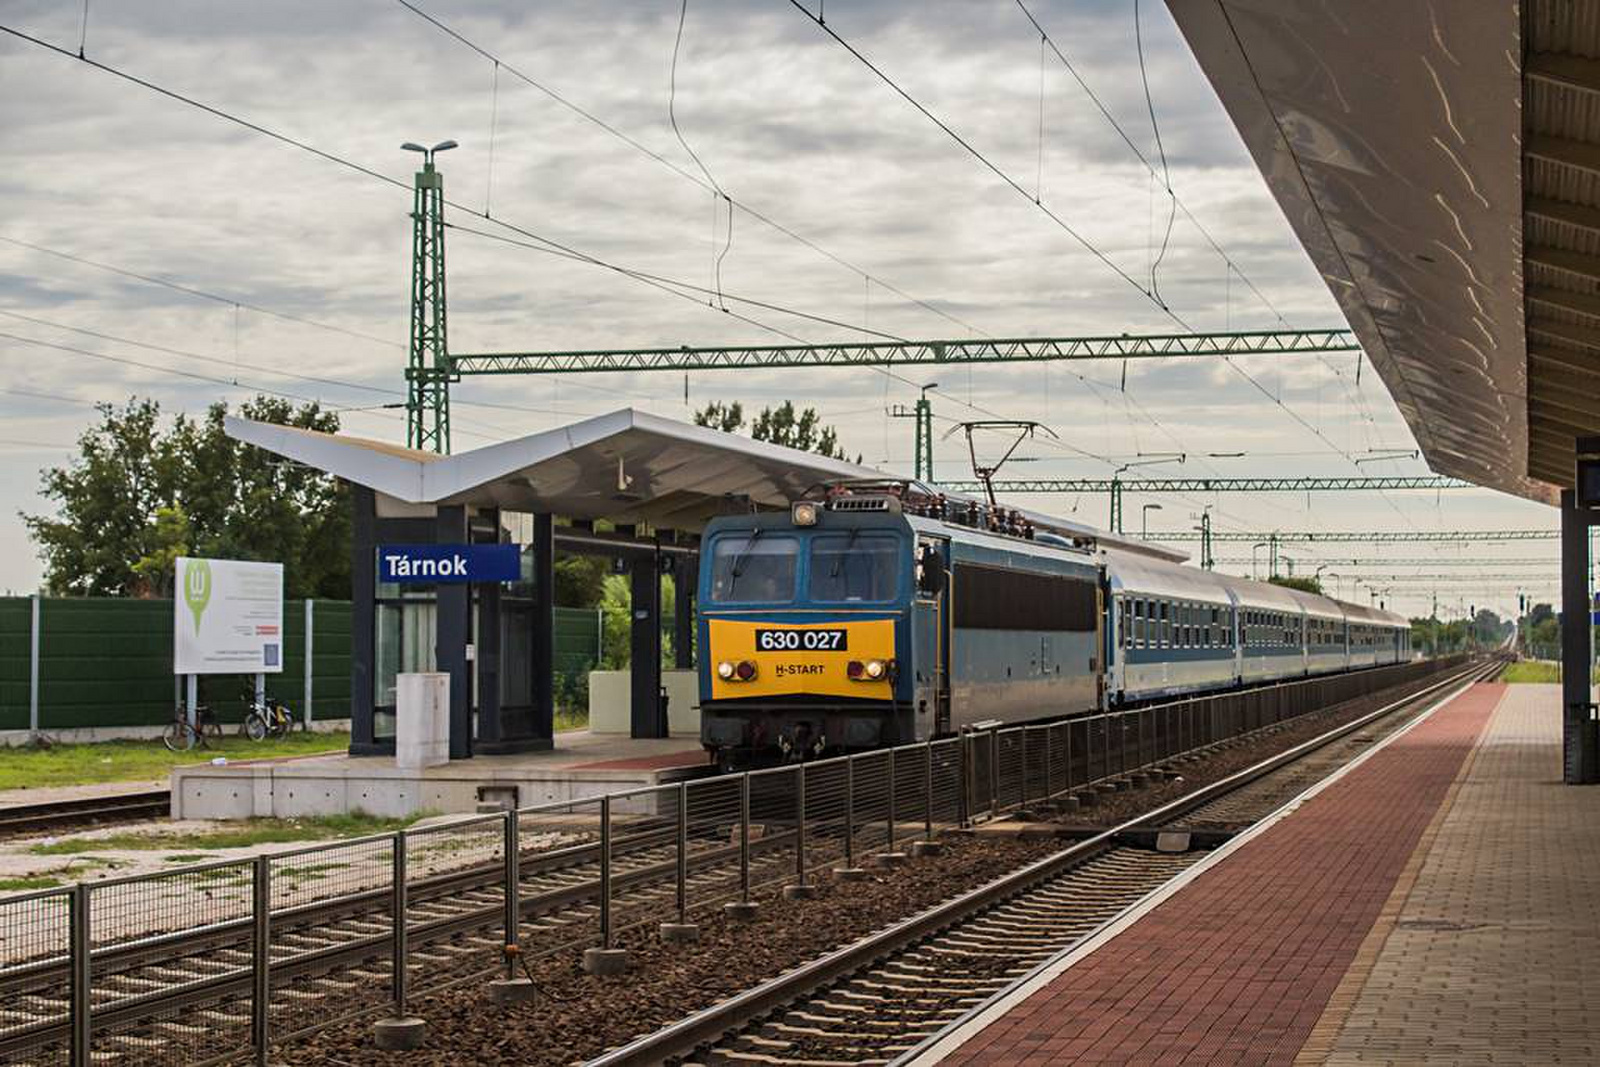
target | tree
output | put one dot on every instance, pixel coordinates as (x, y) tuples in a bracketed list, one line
[(727, 418), (779, 426), (135, 497), (157, 569), (1305, 585)]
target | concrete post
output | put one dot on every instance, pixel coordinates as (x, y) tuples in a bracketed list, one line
[(192, 704), (310, 656), (33, 670)]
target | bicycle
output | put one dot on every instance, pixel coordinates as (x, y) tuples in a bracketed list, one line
[(266, 718), (181, 735)]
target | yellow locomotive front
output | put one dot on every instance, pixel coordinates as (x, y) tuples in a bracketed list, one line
[(803, 634)]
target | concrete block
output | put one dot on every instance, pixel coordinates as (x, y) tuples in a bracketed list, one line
[(610, 698), (1172, 841), (926, 848), (740, 911), (422, 720), (605, 961), (851, 874), (399, 1035), (800, 892), (512, 991), (889, 859), (680, 933)]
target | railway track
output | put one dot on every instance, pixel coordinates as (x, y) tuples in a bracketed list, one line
[(142, 990), (89, 811), (880, 999), (163, 997)]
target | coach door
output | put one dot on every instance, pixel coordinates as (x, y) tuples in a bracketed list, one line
[(930, 638)]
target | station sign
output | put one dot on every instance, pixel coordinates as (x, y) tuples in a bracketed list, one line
[(227, 617), (449, 563)]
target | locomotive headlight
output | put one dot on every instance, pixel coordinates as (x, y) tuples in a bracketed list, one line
[(874, 668), (725, 670), (804, 513)]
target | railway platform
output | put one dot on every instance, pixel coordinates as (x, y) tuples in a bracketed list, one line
[(1432, 904), (583, 764)]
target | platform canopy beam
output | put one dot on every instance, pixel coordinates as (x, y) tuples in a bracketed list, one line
[(890, 353)]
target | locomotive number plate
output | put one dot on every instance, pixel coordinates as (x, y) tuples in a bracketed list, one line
[(802, 640)]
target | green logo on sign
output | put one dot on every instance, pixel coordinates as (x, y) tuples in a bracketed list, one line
[(197, 589)]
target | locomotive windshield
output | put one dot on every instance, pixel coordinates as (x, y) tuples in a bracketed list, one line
[(752, 568), (857, 566)]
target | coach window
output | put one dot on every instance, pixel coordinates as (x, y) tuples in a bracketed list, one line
[(1164, 634), (855, 567), (753, 568)]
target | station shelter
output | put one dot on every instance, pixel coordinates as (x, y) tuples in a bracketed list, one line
[(651, 483)]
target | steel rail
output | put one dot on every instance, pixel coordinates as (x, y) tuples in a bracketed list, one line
[(21, 818), (687, 1035)]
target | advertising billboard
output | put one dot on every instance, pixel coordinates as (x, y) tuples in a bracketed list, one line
[(227, 617)]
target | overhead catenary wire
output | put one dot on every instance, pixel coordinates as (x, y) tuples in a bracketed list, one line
[(235, 364), (231, 383), (1077, 236), (370, 172), (359, 167), (196, 292), (734, 203)]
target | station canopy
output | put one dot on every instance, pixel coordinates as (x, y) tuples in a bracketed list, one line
[(1441, 165), (627, 467)]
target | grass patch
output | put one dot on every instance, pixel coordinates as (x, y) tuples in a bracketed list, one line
[(571, 719), (127, 761), (32, 881), (247, 833), (1531, 670)]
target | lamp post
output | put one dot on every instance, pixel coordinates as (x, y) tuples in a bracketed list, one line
[(1255, 569), (1144, 520)]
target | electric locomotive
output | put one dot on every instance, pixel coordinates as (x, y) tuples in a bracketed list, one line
[(881, 613)]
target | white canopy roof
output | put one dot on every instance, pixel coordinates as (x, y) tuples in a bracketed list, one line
[(628, 467)]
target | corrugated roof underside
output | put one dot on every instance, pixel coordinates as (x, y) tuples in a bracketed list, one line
[(1561, 229)]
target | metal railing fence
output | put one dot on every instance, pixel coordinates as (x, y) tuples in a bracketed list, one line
[(215, 962)]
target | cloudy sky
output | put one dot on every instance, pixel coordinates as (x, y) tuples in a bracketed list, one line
[(905, 233)]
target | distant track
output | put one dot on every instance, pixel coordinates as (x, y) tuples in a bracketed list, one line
[(89, 811)]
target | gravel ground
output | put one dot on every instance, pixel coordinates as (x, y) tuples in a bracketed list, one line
[(665, 983), (1114, 808), (581, 1015)]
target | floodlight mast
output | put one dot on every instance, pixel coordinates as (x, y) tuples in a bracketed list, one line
[(428, 356)]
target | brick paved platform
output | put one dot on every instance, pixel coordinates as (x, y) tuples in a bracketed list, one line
[(1437, 902)]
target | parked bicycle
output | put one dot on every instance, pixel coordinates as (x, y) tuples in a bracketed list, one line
[(266, 718), (182, 735)]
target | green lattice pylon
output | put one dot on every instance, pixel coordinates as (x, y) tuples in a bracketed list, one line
[(427, 368)]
